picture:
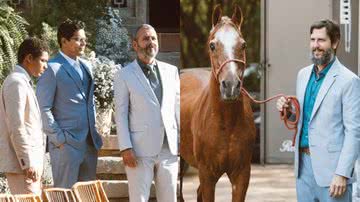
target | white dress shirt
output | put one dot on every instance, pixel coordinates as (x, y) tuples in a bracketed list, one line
[(73, 63)]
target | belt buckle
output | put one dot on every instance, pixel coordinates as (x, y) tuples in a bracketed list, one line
[(305, 150)]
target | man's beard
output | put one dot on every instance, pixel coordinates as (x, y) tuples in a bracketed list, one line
[(324, 59), (147, 51)]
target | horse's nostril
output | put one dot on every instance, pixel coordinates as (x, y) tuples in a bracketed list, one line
[(223, 83)]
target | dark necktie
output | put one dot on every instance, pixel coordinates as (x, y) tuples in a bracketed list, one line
[(154, 81)]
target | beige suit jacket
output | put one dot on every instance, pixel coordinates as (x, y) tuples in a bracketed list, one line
[(141, 120), (22, 141)]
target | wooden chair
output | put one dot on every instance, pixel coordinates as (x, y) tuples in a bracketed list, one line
[(6, 198), (91, 191), (59, 195), (27, 198)]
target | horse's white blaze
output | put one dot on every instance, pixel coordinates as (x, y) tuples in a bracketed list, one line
[(228, 38)]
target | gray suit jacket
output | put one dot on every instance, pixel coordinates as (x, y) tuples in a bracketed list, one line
[(68, 114), (140, 119), (22, 140), (334, 128)]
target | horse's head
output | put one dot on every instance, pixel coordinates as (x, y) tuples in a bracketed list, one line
[(227, 53)]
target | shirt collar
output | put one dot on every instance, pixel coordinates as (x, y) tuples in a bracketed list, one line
[(70, 60), (146, 66), (22, 70)]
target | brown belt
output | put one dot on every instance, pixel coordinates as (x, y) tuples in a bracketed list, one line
[(305, 150)]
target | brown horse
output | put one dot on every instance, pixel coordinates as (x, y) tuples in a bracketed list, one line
[(217, 127)]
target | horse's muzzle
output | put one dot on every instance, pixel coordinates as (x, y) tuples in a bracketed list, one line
[(230, 90)]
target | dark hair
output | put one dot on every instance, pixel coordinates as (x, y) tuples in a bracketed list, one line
[(33, 46), (68, 28), (332, 29)]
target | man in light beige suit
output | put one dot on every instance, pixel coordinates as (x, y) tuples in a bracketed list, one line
[(147, 105), (22, 141)]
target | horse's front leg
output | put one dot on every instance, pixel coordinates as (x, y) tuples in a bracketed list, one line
[(240, 181), (208, 182), (199, 195)]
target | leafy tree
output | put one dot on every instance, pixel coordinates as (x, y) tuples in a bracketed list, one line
[(195, 24), (12, 33), (112, 40), (49, 34), (53, 12)]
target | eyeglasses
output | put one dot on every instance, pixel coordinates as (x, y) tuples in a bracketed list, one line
[(78, 39)]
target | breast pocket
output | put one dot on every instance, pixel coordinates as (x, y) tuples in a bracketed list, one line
[(137, 131), (334, 148)]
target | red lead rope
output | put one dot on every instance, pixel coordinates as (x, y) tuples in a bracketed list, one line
[(284, 114)]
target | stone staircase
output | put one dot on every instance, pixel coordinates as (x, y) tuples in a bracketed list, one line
[(110, 169)]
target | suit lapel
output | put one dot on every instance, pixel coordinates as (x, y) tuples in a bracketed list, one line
[(143, 80), (163, 78), (35, 101), (73, 74), (87, 69), (30, 88), (303, 84), (91, 79), (325, 86)]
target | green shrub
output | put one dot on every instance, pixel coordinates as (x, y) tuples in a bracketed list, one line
[(12, 33), (112, 40), (49, 34)]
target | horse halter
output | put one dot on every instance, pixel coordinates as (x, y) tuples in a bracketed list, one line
[(217, 72)]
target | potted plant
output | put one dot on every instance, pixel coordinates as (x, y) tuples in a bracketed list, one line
[(103, 72)]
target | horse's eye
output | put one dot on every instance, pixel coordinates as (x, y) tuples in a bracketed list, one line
[(212, 46), (243, 46)]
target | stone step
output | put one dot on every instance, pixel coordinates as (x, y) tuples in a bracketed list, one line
[(110, 142), (110, 168), (111, 165), (118, 190)]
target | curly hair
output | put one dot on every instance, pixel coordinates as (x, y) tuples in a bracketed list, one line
[(33, 46)]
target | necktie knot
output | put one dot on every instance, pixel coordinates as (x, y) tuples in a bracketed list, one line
[(149, 69), (152, 75)]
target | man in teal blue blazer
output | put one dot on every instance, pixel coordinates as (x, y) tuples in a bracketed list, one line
[(328, 139), (66, 98)]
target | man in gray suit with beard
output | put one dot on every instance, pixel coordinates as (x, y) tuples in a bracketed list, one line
[(147, 93), (66, 97)]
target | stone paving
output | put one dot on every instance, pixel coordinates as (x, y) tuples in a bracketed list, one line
[(270, 183)]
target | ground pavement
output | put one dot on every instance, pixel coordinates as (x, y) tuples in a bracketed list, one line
[(270, 183)]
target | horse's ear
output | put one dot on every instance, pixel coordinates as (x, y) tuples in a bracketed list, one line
[(217, 14), (237, 16)]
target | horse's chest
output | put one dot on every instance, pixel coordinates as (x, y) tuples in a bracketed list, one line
[(221, 146)]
